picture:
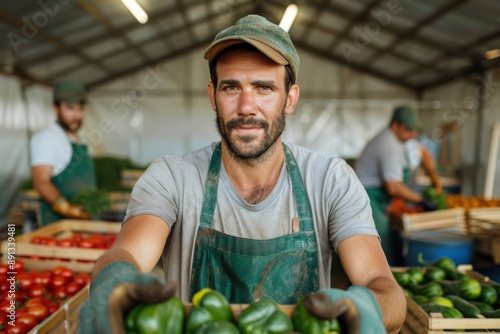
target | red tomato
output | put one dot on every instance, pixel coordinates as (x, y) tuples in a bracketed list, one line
[(6, 306), (34, 301), (3, 319), (66, 243), (24, 281), (52, 307), (72, 288), (19, 328), (45, 278), (58, 281), (4, 284), (19, 266), (82, 279), (36, 240), (28, 319), (59, 292), (21, 310), (65, 272), (36, 291), (4, 269), (50, 241), (77, 237), (39, 311), (86, 244), (98, 239)]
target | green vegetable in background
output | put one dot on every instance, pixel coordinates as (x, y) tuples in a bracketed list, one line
[(429, 290), (439, 199), (108, 172), (435, 274), (416, 275), (164, 318), (402, 277), (466, 287), (447, 312), (217, 327), (93, 200), (468, 309), (306, 323), (264, 317), (488, 294)]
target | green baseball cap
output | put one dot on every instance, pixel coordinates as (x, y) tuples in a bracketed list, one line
[(69, 92), (267, 37), (408, 117)]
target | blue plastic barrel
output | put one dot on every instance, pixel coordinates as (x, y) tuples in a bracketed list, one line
[(436, 244)]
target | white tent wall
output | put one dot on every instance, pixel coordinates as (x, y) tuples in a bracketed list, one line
[(459, 102), (339, 109)]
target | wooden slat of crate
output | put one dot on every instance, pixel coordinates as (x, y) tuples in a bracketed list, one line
[(62, 229), (65, 319), (434, 220)]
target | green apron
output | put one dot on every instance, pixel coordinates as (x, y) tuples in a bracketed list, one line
[(283, 268), (379, 202), (77, 176)]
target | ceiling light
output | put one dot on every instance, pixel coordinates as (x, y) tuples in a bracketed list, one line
[(136, 10), (289, 17), (492, 54)]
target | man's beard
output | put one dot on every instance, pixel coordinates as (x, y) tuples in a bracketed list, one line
[(71, 127), (246, 147)]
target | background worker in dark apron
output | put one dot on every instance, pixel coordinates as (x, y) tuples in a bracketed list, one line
[(383, 170), (250, 216), (61, 165)]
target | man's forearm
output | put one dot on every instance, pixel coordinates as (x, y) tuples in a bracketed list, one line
[(392, 302), (112, 255)]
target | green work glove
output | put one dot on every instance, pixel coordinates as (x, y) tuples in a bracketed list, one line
[(117, 288), (356, 309)]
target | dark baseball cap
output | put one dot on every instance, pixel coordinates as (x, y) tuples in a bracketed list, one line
[(69, 92), (267, 37), (408, 117)]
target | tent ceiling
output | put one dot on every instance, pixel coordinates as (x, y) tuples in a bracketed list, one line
[(416, 44)]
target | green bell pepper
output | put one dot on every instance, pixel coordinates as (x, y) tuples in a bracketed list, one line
[(163, 318), (208, 306), (264, 317), (306, 323), (218, 327)]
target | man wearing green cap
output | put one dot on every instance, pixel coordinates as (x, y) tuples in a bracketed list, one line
[(61, 165), (383, 169), (250, 216)]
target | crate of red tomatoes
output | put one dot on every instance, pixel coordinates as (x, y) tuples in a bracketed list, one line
[(40, 300), (75, 244)]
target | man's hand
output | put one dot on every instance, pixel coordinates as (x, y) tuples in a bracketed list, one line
[(355, 308), (116, 289), (66, 209)]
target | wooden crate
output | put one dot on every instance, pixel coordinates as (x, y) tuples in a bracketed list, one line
[(484, 227), (75, 258), (419, 321), (65, 319)]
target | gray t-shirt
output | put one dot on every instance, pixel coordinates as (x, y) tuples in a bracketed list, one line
[(382, 159), (172, 189)]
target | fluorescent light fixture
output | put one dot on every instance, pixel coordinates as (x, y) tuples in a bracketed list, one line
[(136, 10), (289, 17), (492, 54)]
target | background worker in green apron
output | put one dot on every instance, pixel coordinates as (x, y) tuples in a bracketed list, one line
[(383, 170), (250, 216), (61, 165)]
